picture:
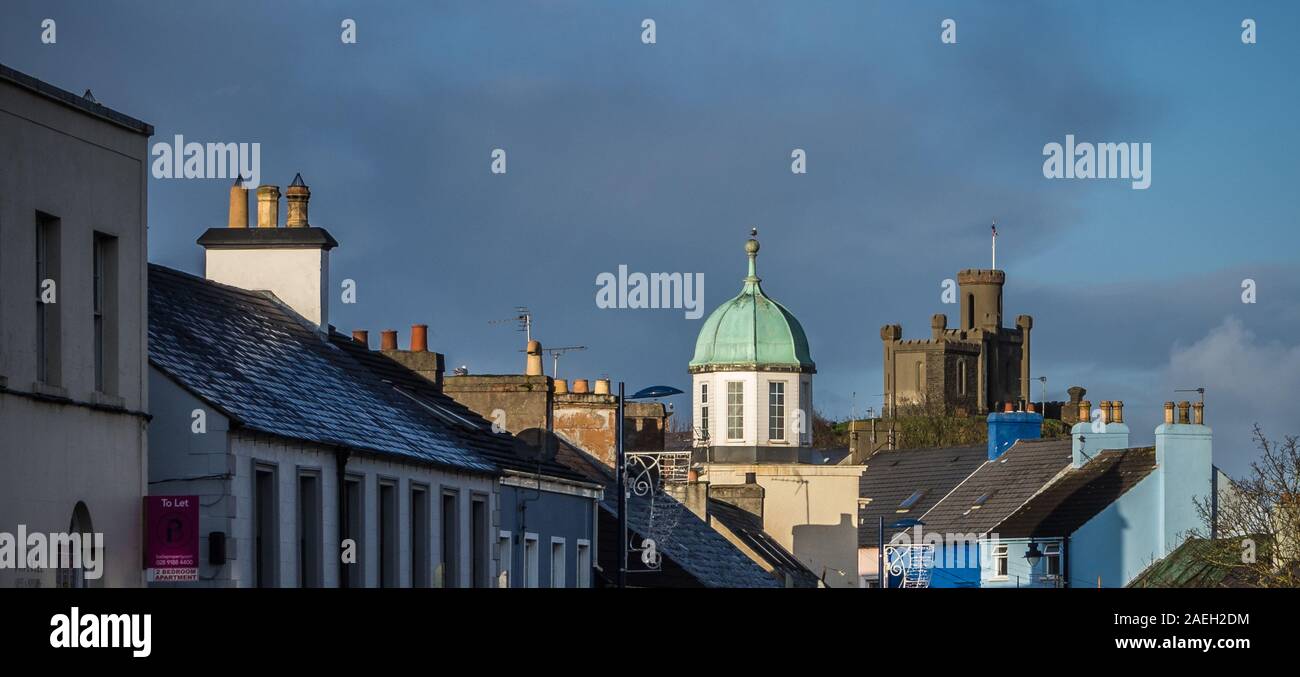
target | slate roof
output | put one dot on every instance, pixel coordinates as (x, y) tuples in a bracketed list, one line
[(694, 549), (1080, 494), (502, 449), (250, 357), (749, 529), (892, 476), (999, 487)]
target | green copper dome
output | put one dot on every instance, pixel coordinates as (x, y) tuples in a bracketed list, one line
[(752, 332)]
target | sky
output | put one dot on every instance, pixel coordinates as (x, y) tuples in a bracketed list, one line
[(662, 156)]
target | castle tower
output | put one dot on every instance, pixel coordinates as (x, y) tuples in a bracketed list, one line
[(981, 298), (974, 368)]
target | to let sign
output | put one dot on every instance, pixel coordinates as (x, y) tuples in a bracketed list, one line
[(172, 552)]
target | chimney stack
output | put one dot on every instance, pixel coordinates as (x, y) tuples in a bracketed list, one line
[(292, 264), (561, 386), (388, 339), (1085, 410), (1198, 413), (268, 206), (361, 336), (602, 386), (238, 217), (1117, 410), (296, 196), (419, 338), (1182, 411), (533, 366), (1105, 412), (1169, 413), (580, 386)]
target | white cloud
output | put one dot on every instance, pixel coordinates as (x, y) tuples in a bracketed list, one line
[(1247, 381)]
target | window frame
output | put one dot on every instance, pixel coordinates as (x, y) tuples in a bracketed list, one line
[(776, 411), (582, 567), (558, 578), (735, 410), (1001, 561)]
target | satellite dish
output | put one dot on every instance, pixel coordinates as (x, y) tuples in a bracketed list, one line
[(655, 391)]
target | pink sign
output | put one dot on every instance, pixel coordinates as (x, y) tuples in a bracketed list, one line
[(172, 551)]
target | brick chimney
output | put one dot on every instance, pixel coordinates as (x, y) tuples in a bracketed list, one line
[(292, 263), (419, 358)]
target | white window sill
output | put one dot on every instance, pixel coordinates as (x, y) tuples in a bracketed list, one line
[(43, 388)]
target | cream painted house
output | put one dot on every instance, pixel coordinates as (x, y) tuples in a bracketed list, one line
[(73, 385)]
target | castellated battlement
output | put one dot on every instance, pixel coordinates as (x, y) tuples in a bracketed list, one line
[(981, 276)]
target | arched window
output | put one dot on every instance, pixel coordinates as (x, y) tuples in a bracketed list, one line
[(74, 575)]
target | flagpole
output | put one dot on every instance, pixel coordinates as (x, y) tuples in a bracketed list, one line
[(995, 244)]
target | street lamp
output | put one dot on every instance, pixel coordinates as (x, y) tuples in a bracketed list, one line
[(1033, 556), (621, 469)]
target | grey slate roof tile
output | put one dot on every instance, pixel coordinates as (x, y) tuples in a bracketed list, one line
[(1076, 497), (254, 360), (693, 546), (1004, 484), (893, 476)]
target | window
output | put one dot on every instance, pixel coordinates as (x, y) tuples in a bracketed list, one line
[(354, 523), (910, 502), (961, 377), (48, 321), (805, 413), (704, 411), (104, 307), (970, 311), (776, 410), (264, 527), (584, 564), (1000, 561), (479, 542), (530, 561), (387, 534), (310, 537), (505, 546), (448, 567), (419, 536), (920, 376), (735, 410), (557, 562), (1052, 559)]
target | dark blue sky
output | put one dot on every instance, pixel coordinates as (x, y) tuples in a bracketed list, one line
[(662, 157)]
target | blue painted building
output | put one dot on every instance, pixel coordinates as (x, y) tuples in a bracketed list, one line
[(1116, 511)]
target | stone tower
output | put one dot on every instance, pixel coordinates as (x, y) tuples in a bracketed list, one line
[(972, 369)]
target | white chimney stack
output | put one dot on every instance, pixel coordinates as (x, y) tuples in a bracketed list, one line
[(291, 262)]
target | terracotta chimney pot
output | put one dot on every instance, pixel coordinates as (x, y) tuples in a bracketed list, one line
[(388, 339), (419, 338), (361, 336)]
